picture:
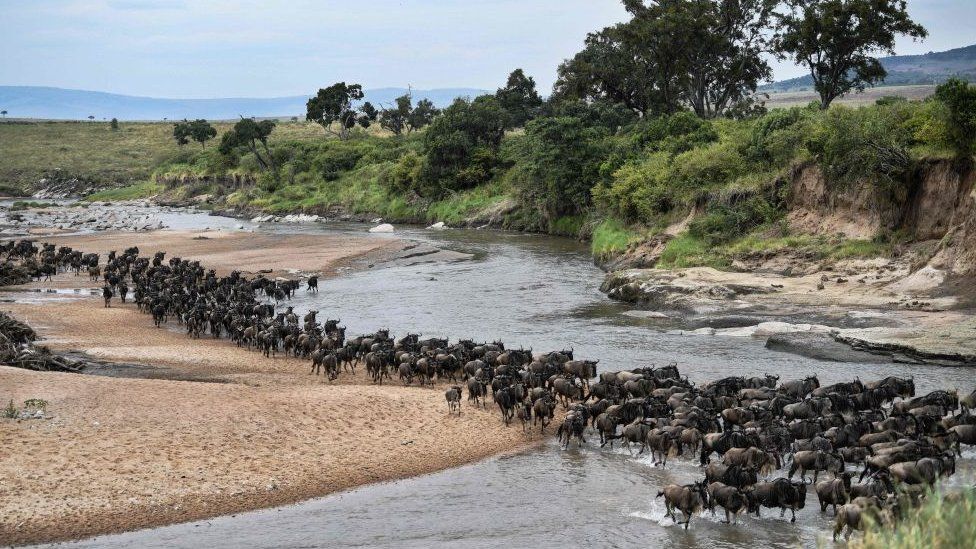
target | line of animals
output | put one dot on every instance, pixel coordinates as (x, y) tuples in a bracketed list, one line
[(902, 443)]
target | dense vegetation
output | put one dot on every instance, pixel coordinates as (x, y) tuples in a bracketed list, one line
[(654, 122)]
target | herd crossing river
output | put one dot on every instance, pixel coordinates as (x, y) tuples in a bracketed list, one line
[(538, 292)]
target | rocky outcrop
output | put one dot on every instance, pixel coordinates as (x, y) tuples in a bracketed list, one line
[(658, 289)]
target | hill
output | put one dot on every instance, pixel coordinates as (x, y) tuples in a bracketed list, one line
[(929, 68), (64, 104)]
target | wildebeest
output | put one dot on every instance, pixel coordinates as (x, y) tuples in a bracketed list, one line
[(816, 461), (781, 493), (689, 499), (453, 396), (835, 491), (729, 498)]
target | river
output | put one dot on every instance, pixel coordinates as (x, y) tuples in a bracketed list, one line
[(539, 292)]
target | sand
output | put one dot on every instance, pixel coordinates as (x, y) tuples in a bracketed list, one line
[(225, 251), (249, 432)]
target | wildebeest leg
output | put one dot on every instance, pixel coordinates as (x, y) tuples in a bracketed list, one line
[(793, 513)]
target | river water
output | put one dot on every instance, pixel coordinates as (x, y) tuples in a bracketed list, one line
[(539, 292)]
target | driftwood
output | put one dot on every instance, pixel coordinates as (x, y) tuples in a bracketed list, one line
[(17, 349), (12, 274)]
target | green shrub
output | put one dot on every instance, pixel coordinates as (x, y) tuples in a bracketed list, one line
[(870, 144), (959, 97), (560, 158), (727, 220), (673, 134)]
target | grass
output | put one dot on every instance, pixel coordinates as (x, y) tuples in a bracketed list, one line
[(461, 206), (820, 246), (568, 225), (686, 250), (92, 151), (29, 204), (136, 191), (612, 236), (940, 523)]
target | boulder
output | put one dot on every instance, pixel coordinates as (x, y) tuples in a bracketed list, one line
[(383, 228)]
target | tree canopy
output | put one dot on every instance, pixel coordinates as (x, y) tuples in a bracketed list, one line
[(335, 106), (959, 97), (837, 40), (703, 54), (519, 97), (404, 117), (462, 145), (248, 133)]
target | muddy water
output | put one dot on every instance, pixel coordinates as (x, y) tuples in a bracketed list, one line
[(538, 292)]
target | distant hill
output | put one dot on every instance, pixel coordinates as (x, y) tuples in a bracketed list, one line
[(930, 68), (64, 104)]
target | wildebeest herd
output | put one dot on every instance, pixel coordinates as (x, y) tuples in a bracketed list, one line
[(894, 442)]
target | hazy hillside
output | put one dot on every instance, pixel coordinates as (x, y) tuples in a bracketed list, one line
[(930, 68), (64, 104)]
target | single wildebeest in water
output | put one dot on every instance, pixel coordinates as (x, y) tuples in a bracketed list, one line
[(689, 499)]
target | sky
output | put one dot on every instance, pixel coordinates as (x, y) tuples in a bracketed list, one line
[(250, 48)]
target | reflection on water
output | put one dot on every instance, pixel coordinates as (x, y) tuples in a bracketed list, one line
[(537, 292)]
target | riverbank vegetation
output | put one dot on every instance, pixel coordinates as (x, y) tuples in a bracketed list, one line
[(655, 124), (943, 521)]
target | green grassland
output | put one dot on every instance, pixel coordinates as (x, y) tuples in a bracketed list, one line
[(92, 151)]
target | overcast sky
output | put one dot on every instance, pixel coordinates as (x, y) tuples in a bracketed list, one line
[(250, 48)]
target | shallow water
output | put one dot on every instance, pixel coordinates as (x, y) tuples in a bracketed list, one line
[(538, 292)]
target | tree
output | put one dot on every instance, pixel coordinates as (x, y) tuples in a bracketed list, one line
[(619, 64), (334, 105), (519, 98), (403, 117), (114, 124), (91, 117), (4, 113), (563, 156), (422, 115), (181, 133), (249, 133), (396, 119), (959, 98), (837, 40), (201, 131), (706, 54), (462, 145)]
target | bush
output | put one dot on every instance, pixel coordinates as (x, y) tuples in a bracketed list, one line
[(561, 159), (462, 146), (776, 137), (866, 145), (726, 221), (674, 134), (959, 97)]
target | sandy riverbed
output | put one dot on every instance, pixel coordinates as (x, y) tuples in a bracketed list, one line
[(120, 454)]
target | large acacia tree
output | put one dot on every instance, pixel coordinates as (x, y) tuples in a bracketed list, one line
[(703, 54), (838, 40)]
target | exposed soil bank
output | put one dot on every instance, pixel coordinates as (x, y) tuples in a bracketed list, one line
[(248, 432), (930, 272)]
